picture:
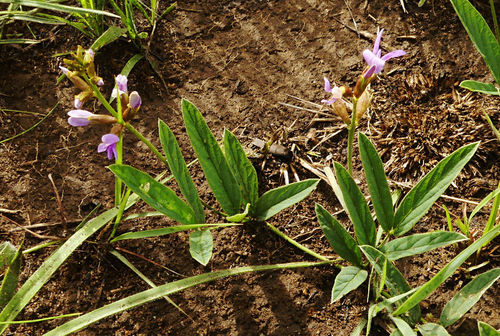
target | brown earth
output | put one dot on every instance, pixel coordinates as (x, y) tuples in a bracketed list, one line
[(236, 61)]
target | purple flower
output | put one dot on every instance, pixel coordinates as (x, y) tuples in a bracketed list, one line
[(336, 92), (121, 82), (77, 103), (79, 117), (64, 70), (374, 59), (100, 82), (134, 100), (109, 145)]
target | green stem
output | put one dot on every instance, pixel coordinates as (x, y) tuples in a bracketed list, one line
[(350, 139), (101, 98), (149, 144), (119, 215), (119, 151), (296, 244), (495, 21)]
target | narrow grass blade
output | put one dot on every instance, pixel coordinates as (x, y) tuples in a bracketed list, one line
[(480, 34), (445, 272), (340, 240), (36, 281), (201, 244), (112, 34), (483, 202), (130, 64), (419, 243), (357, 208), (18, 41), (58, 7), (430, 188), (432, 329), (377, 182), (486, 330), (212, 160), (42, 319), (7, 253), (493, 214), (349, 278), (160, 291), (359, 328), (476, 86), (282, 197), (10, 278), (169, 230), (180, 171), (160, 197), (403, 327), (242, 168), (21, 16), (468, 296)]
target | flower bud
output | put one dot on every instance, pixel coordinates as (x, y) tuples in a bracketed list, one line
[(134, 100), (102, 119), (341, 110), (79, 117), (363, 104)]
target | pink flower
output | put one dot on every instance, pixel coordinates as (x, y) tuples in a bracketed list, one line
[(77, 103), (134, 100), (79, 117), (64, 70), (108, 144), (375, 59), (336, 92), (121, 82)]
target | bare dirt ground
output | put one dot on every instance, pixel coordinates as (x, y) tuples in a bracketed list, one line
[(236, 61)]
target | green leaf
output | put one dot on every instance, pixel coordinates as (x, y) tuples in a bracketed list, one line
[(58, 7), (468, 296), (112, 34), (483, 202), (364, 226), (340, 240), (432, 329), (238, 218), (168, 230), (242, 168), (214, 164), (180, 171), (130, 64), (416, 203), (486, 330), (7, 253), (349, 278), (201, 244), (403, 327), (419, 243), (282, 197), (157, 195), (394, 279), (480, 34), (359, 328), (476, 86), (445, 272), (377, 182), (160, 291), (10, 279)]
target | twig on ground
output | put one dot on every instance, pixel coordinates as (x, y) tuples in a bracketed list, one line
[(59, 203)]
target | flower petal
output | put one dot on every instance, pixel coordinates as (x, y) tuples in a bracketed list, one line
[(328, 87), (369, 73), (80, 114), (121, 81), (77, 122), (100, 82), (329, 101), (77, 103), (392, 54), (110, 139), (376, 46), (64, 70), (102, 147), (134, 100)]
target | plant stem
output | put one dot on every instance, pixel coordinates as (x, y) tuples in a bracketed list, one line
[(119, 151), (119, 215), (495, 21), (146, 141), (350, 138)]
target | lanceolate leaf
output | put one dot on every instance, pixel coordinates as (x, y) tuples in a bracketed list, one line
[(112, 34), (160, 197), (213, 162), (180, 171), (201, 244), (10, 279), (419, 243), (432, 329), (480, 34), (468, 296), (394, 279), (364, 226), (7, 253), (281, 198), (445, 272), (242, 168), (377, 183), (349, 278), (430, 188), (486, 329), (476, 86), (340, 240), (403, 327)]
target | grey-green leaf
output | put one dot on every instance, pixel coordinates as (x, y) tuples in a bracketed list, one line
[(242, 168), (281, 198), (219, 176), (10, 279), (349, 278), (7, 253), (357, 208), (432, 329), (468, 296), (419, 243), (201, 244), (160, 197), (480, 34), (430, 188), (486, 330), (377, 182), (112, 34), (341, 241), (403, 327), (445, 272), (180, 171), (476, 86)]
